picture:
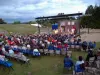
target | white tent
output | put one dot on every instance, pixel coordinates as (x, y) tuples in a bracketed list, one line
[(36, 25)]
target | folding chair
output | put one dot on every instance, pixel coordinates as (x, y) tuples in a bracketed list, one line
[(72, 46), (91, 61), (63, 52), (41, 51), (51, 52), (78, 70), (46, 52), (98, 62), (8, 65), (68, 65), (36, 54), (77, 46), (58, 51), (69, 53)]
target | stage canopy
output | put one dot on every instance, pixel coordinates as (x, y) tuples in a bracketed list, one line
[(64, 16)]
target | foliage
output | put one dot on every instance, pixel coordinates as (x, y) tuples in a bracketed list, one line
[(92, 17), (17, 22), (31, 22), (45, 22), (2, 21)]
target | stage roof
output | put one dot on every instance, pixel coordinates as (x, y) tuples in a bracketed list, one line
[(59, 16)]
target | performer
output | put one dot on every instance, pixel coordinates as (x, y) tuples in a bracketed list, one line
[(73, 30)]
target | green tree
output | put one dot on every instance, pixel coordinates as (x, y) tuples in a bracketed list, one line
[(17, 22), (96, 17), (2, 21), (92, 17), (32, 22), (89, 10)]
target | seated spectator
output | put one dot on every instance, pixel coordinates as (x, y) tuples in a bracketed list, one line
[(28, 46), (2, 57), (80, 61), (79, 66), (68, 63), (11, 52), (94, 44), (84, 45), (65, 46), (24, 47), (36, 52), (3, 50), (90, 54), (90, 45)]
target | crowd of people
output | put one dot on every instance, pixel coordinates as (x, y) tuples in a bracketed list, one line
[(56, 42), (17, 45), (92, 61)]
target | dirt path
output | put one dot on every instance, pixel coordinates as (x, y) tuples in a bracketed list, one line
[(94, 35)]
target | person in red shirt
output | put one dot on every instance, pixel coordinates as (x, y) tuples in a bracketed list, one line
[(66, 46), (59, 46)]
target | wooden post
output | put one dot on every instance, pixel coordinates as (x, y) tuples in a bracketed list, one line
[(38, 29), (88, 30)]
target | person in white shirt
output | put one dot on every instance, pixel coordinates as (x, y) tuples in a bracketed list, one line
[(35, 51), (2, 57), (3, 50), (24, 47), (80, 61), (28, 46), (15, 46), (11, 52)]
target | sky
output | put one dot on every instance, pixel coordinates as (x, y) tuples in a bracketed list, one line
[(28, 10)]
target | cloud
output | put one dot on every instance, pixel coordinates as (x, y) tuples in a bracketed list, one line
[(29, 9)]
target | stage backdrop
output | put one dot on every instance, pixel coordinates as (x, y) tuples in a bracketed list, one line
[(67, 26)]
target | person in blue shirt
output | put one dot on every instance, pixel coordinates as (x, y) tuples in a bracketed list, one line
[(68, 63), (84, 45)]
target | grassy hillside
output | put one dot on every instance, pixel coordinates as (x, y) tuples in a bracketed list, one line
[(18, 28)]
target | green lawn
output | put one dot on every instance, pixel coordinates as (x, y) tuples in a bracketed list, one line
[(47, 65), (18, 28), (98, 44)]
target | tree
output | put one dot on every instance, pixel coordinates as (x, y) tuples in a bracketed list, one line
[(96, 17), (89, 10), (2, 21), (92, 17), (32, 22), (17, 22)]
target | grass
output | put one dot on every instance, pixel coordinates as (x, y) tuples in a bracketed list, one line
[(98, 44), (47, 65), (21, 28)]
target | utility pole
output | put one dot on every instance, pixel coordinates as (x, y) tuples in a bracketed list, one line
[(38, 28)]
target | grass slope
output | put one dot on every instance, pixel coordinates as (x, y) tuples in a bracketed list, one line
[(18, 28)]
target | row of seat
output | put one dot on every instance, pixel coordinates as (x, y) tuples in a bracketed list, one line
[(6, 64)]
